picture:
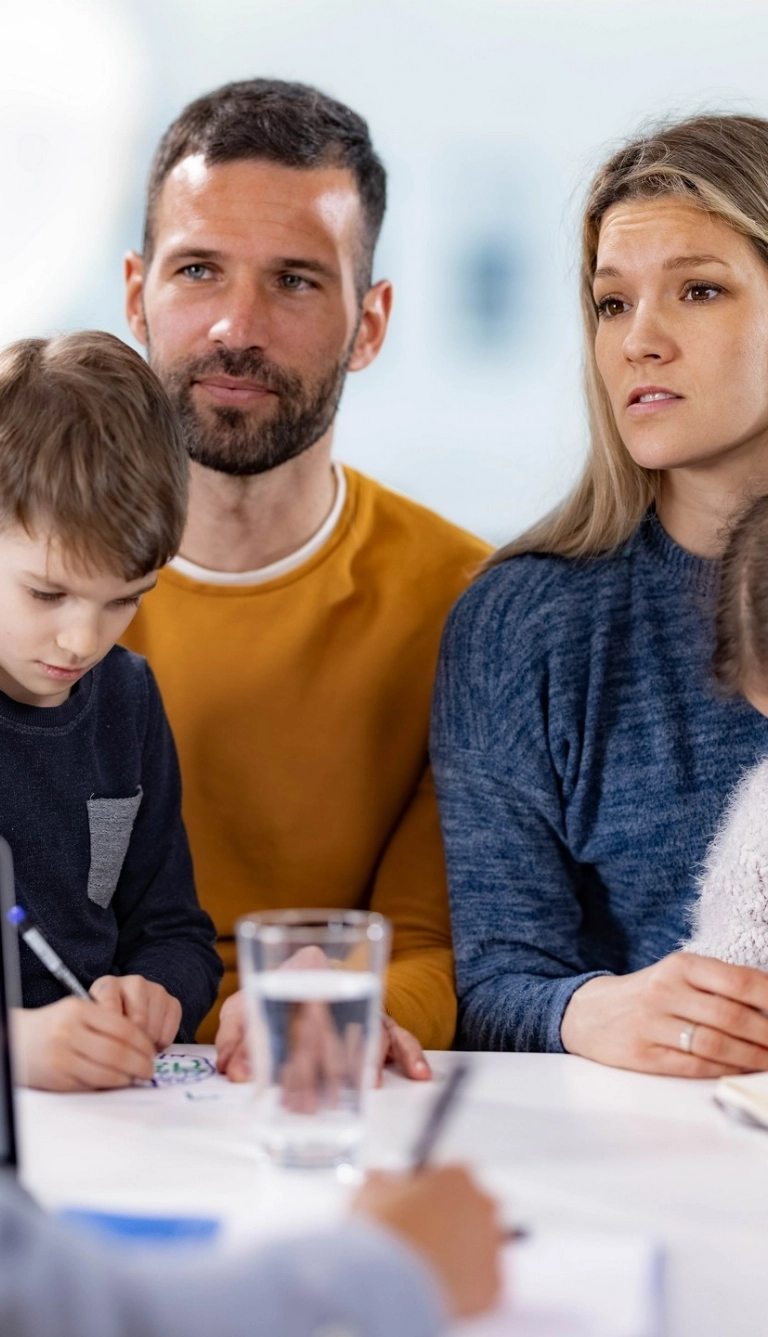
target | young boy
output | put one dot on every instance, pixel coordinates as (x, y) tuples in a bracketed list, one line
[(730, 917), (93, 480)]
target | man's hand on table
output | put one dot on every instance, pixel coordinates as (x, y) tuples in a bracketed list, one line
[(686, 1016), (446, 1220), (398, 1046)]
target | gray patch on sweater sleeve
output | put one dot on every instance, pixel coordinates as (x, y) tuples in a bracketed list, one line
[(110, 821)]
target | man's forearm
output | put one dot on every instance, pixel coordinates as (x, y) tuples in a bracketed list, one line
[(421, 996)]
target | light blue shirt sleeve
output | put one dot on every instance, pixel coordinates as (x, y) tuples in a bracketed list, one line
[(353, 1281)]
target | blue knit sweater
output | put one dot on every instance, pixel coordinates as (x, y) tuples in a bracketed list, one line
[(582, 758)]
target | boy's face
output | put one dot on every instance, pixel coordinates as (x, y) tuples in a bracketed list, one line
[(57, 617)]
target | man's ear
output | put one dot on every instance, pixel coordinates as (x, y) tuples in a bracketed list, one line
[(134, 293), (374, 319)]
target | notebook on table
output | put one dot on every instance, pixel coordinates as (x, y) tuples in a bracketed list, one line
[(746, 1098), (113, 1226)]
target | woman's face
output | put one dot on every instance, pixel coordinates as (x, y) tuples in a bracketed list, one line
[(682, 338)]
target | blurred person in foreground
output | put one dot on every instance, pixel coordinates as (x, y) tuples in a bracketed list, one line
[(417, 1252), (295, 637)]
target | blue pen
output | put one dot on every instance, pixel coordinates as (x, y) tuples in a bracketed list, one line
[(29, 930)]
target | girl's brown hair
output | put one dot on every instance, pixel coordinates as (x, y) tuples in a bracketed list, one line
[(718, 164), (90, 449)]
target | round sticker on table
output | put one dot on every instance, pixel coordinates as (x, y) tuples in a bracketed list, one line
[(182, 1069)]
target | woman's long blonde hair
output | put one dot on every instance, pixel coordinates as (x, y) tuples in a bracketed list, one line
[(720, 164)]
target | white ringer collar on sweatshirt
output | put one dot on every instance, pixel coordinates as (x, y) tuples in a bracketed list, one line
[(275, 569)]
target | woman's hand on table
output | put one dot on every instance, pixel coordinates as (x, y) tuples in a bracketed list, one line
[(686, 1016), (74, 1045), (443, 1216), (398, 1046)]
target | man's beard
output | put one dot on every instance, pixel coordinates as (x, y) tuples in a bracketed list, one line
[(226, 439)]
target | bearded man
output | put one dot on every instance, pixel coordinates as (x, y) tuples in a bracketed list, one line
[(296, 635)]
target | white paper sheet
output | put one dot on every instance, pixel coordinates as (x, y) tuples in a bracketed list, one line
[(574, 1285)]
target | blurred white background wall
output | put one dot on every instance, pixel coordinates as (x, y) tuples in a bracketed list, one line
[(489, 115)]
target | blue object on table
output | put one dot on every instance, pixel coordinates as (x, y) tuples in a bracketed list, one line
[(144, 1229)]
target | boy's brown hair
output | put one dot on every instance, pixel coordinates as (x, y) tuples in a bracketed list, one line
[(90, 447), (741, 625)]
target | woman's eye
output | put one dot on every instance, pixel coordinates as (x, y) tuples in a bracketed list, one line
[(46, 596), (132, 602), (608, 307), (701, 292)]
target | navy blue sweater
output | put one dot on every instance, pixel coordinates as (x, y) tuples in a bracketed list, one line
[(582, 759), (90, 804)]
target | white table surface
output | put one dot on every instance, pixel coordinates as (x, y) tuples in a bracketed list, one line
[(561, 1142)]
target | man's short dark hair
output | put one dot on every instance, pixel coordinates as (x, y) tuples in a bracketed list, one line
[(276, 121)]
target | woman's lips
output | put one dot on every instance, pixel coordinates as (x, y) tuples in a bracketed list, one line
[(651, 399), (233, 390)]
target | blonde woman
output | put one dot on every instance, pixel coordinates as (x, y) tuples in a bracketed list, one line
[(582, 754)]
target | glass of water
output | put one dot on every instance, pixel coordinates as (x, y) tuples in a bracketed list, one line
[(313, 983)]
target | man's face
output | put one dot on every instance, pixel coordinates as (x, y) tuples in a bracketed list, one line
[(248, 306)]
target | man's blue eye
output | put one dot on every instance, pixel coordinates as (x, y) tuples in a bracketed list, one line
[(195, 271)]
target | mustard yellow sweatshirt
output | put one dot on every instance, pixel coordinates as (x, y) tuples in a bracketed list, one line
[(300, 708)]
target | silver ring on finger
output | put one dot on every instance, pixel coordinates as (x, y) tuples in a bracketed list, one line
[(686, 1037)]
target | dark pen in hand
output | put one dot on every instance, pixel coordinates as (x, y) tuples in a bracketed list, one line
[(438, 1113), (439, 1110)]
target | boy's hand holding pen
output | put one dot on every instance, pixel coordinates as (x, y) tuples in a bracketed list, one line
[(149, 1006), (72, 1045)]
